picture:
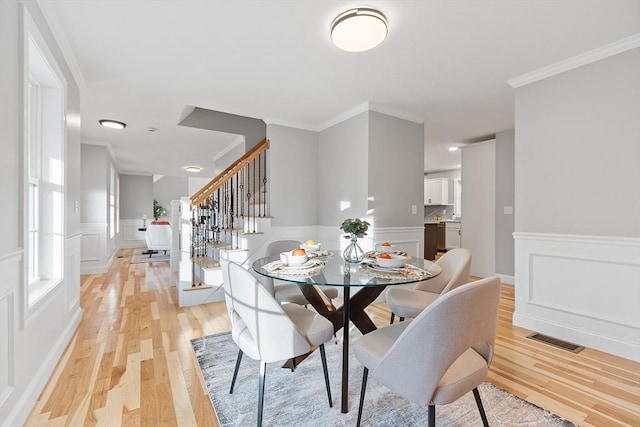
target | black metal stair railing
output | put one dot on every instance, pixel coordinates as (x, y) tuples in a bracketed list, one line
[(230, 205)]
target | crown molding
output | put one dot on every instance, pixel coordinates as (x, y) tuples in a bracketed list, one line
[(295, 125), (51, 17), (585, 58), (346, 115), (378, 108)]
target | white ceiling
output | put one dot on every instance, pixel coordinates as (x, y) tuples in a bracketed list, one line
[(445, 63)]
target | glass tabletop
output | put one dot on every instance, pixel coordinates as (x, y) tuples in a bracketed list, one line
[(334, 271)]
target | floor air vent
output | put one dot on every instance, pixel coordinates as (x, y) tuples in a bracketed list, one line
[(556, 342)]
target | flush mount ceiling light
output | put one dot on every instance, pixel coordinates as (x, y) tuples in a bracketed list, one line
[(113, 124), (454, 148), (193, 168), (360, 29)]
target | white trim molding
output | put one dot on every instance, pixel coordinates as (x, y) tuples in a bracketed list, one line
[(346, 115), (585, 58), (582, 289)]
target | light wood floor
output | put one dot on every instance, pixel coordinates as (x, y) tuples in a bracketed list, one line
[(130, 362)]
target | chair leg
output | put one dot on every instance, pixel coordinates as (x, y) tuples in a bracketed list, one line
[(476, 394), (263, 374), (402, 319), (235, 372), (393, 316), (432, 416), (326, 374), (293, 364), (365, 374)]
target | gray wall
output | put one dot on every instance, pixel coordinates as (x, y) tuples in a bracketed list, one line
[(136, 197), (577, 150), (293, 176), (30, 349), (254, 130), (95, 183), (396, 177), (343, 172), (505, 196), (170, 188)]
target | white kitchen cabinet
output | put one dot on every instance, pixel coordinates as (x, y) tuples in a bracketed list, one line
[(452, 234), (438, 191)]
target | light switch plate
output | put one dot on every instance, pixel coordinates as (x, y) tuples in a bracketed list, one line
[(508, 210)]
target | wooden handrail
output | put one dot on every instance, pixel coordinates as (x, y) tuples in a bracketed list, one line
[(201, 195)]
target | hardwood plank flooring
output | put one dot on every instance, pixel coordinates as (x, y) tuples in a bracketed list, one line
[(130, 362)]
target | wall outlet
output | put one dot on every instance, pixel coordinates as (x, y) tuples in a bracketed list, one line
[(414, 209)]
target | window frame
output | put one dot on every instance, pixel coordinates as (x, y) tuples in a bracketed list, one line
[(45, 93)]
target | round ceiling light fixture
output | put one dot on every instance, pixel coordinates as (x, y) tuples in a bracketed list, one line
[(360, 29), (193, 168), (112, 124)]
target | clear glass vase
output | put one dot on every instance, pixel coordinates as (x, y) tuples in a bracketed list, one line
[(353, 253)]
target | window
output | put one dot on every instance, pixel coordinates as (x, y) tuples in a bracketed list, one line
[(112, 202), (44, 137)]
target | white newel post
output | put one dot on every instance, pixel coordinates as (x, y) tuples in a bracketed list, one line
[(174, 263)]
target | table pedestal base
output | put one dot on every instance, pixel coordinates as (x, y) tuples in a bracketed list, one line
[(352, 309)]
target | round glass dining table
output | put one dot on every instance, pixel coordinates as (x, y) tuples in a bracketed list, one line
[(332, 270)]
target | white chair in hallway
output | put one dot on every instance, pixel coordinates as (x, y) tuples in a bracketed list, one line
[(158, 238)]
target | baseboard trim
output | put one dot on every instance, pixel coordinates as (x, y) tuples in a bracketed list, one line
[(626, 349), (506, 280)]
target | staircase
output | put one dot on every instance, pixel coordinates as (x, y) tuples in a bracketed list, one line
[(227, 218)]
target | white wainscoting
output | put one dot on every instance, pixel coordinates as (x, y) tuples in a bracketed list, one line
[(130, 236), (93, 248), (10, 278), (582, 289), (73, 271)]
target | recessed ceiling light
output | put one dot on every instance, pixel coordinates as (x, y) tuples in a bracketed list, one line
[(360, 29), (113, 124), (454, 148), (193, 168)]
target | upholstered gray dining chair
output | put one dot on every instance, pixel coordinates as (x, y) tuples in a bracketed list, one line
[(290, 292), (440, 355), (267, 331), (455, 265)]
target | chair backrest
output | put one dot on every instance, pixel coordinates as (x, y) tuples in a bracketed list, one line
[(158, 237), (228, 295), (274, 248), (271, 329), (461, 319), (456, 265)]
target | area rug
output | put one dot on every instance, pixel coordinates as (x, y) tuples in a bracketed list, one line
[(138, 257), (299, 398)]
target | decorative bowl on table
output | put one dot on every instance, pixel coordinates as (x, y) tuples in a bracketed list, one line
[(393, 260), (311, 246), (385, 247), (294, 257)]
